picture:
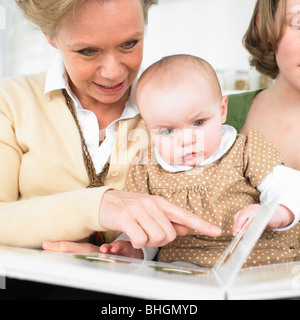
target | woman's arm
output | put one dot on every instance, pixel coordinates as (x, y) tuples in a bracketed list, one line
[(147, 220), (33, 205), (67, 216)]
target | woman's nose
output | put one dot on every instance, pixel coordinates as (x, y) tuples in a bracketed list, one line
[(111, 68)]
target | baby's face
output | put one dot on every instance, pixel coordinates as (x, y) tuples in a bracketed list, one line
[(185, 121)]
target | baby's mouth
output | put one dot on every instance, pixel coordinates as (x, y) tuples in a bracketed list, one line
[(191, 155)]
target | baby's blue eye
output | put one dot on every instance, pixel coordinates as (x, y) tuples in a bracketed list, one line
[(199, 123), (167, 132)]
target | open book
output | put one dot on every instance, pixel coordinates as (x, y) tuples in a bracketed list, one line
[(153, 280)]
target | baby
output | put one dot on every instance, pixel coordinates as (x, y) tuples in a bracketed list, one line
[(204, 166)]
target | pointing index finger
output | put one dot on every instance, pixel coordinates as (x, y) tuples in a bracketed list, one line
[(186, 218)]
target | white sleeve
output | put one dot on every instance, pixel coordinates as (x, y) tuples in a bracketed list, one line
[(149, 252), (282, 185)]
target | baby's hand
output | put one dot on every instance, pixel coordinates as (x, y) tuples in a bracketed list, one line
[(242, 216), (122, 248), (282, 218)]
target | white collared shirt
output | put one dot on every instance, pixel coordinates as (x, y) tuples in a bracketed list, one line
[(57, 79)]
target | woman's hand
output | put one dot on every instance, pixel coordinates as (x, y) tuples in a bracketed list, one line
[(147, 220), (70, 247)]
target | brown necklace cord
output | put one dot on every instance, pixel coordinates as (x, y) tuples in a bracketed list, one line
[(96, 180)]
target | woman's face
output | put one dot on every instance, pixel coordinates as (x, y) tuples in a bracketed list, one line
[(102, 46), (288, 53)]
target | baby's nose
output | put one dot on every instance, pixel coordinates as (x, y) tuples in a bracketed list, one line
[(187, 137)]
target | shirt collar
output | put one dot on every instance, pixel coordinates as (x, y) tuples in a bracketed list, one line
[(57, 79), (229, 135)]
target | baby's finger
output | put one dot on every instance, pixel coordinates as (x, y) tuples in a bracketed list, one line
[(117, 247), (104, 248), (240, 219)]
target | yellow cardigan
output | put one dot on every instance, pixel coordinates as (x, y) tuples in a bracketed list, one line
[(43, 179)]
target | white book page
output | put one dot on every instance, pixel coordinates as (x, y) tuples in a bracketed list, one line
[(234, 257)]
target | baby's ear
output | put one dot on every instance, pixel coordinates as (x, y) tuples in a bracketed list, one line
[(224, 108)]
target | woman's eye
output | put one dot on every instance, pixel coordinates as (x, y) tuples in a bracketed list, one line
[(199, 123), (296, 22), (296, 26), (87, 52), (129, 44), (167, 132)]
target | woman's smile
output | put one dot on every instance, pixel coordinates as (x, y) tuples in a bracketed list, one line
[(112, 88)]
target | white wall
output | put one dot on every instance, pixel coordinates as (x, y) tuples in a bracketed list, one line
[(26, 50), (212, 29)]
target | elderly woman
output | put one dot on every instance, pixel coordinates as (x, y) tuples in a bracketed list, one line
[(67, 137)]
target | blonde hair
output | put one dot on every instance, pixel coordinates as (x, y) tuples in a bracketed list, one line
[(47, 14), (262, 37)]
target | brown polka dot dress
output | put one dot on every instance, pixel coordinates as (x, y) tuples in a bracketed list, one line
[(216, 193)]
